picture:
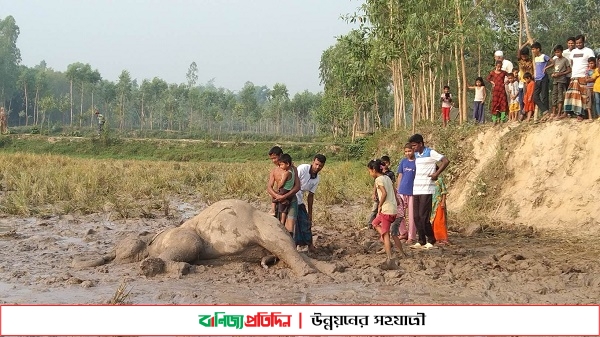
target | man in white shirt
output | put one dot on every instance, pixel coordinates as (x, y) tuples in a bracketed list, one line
[(576, 96), (506, 64), (308, 175), (426, 160)]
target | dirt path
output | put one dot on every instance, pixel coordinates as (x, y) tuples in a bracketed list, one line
[(35, 267)]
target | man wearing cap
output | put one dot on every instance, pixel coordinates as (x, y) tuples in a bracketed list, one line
[(426, 174), (506, 64)]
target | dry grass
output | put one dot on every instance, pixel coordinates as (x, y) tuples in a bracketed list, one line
[(54, 184), (121, 295)]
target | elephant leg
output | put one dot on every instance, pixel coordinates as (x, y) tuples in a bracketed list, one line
[(276, 240)]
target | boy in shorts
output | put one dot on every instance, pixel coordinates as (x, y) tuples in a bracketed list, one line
[(285, 183), (562, 68)]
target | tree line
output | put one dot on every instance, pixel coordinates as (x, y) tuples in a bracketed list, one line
[(45, 98), (387, 73), (411, 49)]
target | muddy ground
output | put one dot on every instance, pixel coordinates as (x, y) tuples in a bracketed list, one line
[(491, 266)]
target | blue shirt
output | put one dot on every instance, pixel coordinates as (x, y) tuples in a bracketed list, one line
[(408, 169), (540, 63)]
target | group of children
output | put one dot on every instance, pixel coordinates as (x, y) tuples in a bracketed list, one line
[(518, 91), (392, 215)]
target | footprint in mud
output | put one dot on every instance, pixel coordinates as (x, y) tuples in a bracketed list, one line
[(389, 264)]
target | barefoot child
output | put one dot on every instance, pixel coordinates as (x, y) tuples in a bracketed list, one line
[(562, 68), (512, 90), (274, 153), (406, 178), (385, 160), (529, 88), (387, 208), (479, 100), (590, 77), (285, 183), (446, 100)]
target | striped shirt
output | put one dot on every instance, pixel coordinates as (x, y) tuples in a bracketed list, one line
[(425, 163)]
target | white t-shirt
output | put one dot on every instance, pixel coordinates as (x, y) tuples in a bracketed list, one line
[(306, 183), (389, 204), (479, 94), (567, 55), (446, 101), (579, 59), (507, 66), (425, 163)]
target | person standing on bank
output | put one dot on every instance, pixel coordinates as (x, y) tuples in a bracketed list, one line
[(101, 121), (3, 122), (308, 175), (424, 188)]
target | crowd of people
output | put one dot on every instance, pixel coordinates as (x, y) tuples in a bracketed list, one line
[(564, 85), (413, 211)]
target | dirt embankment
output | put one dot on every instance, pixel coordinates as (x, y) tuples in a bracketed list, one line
[(547, 176)]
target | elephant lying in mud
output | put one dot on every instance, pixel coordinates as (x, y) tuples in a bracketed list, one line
[(226, 228)]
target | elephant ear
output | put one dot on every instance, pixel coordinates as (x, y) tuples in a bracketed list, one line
[(225, 215)]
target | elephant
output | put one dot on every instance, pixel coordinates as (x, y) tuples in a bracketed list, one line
[(226, 228)]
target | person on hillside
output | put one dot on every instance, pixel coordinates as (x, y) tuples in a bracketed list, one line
[(406, 179), (309, 178), (591, 76), (507, 66), (291, 219), (446, 99), (479, 100), (3, 122), (424, 186), (519, 92), (499, 103), (439, 215), (512, 92), (525, 66), (387, 208), (540, 95), (285, 183), (567, 55), (529, 90), (101, 121), (562, 67), (596, 89), (576, 95)]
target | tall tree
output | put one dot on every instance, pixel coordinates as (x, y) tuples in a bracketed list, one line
[(73, 74), (192, 79), (279, 103), (10, 57), (41, 83), (124, 92), (25, 82), (93, 79)]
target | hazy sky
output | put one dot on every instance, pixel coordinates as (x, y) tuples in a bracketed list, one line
[(232, 41)]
